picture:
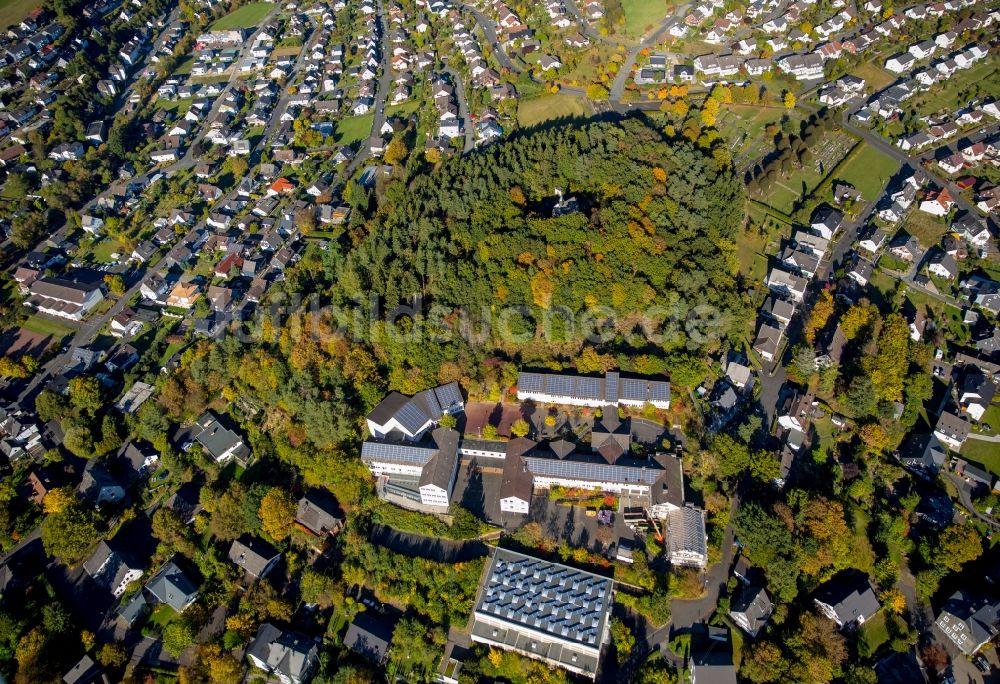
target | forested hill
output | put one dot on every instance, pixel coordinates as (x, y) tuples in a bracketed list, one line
[(656, 225)]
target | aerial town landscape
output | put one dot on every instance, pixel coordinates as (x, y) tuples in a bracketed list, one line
[(357, 341)]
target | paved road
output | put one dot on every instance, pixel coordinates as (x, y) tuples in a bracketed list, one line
[(880, 143), (463, 110), (283, 97), (984, 438), (385, 79), (490, 31), (89, 329), (585, 26), (618, 87)]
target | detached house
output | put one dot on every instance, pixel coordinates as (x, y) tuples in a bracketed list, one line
[(289, 656), (969, 621), (171, 586), (255, 556), (112, 569), (787, 284), (750, 609), (937, 202), (951, 430), (848, 599)]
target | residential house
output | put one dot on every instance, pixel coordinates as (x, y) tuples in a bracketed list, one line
[(787, 284), (218, 441), (871, 239), (64, 297), (317, 514), (826, 221), (942, 265), (975, 393), (112, 568), (370, 636), (937, 202), (173, 587), (184, 295), (98, 486), (848, 599), (970, 621), (712, 661), (951, 430), (750, 608), (254, 555), (291, 657)]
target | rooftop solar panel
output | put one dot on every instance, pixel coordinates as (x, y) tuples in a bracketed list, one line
[(633, 390), (399, 453), (589, 388), (448, 395), (611, 388), (560, 385), (531, 382), (659, 391), (411, 417), (596, 472)]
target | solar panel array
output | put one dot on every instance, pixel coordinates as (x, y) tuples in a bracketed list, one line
[(448, 395), (633, 390), (411, 416), (594, 472), (611, 388), (659, 391), (547, 597), (531, 382), (396, 453)]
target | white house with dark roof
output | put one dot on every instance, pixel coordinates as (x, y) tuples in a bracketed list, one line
[(787, 284), (403, 417), (219, 442), (951, 430), (848, 599), (64, 298), (969, 621), (291, 657), (750, 608)]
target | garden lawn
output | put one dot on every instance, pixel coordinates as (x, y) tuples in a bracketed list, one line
[(868, 170), (952, 94), (13, 11), (926, 228), (872, 635), (643, 15), (246, 16), (354, 128), (535, 111), (749, 252), (162, 616), (984, 453), (45, 326), (876, 78), (991, 418)]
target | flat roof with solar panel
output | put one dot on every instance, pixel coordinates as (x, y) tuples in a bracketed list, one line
[(593, 471), (395, 452), (578, 390), (544, 610)]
